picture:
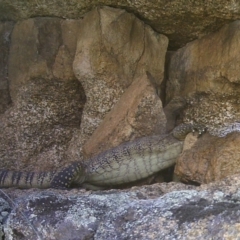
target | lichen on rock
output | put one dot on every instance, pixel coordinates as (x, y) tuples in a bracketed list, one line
[(35, 131), (205, 72), (115, 49)]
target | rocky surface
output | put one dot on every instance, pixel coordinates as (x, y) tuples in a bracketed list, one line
[(180, 20), (47, 99), (210, 159), (138, 112), (47, 67), (42, 47), (5, 33), (36, 130), (114, 49), (205, 73), (160, 211), (49, 64)]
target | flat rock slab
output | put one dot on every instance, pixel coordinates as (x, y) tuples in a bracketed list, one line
[(160, 211)]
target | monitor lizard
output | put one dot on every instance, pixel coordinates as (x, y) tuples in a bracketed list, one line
[(125, 163)]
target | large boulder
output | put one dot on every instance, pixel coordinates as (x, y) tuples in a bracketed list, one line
[(180, 20), (206, 74), (160, 211), (209, 159), (47, 99), (114, 50)]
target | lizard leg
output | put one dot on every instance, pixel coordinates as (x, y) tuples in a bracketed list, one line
[(182, 130)]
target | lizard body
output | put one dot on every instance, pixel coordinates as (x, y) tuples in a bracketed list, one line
[(125, 163)]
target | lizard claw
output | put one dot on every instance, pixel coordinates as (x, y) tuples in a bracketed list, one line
[(181, 131), (199, 128)]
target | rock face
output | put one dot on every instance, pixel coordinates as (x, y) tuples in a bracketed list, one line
[(47, 98), (5, 33), (35, 132), (137, 113), (210, 159), (114, 49), (108, 58), (206, 74), (49, 61), (160, 211), (42, 47), (180, 20)]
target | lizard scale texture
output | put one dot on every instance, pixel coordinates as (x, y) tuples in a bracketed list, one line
[(125, 163)]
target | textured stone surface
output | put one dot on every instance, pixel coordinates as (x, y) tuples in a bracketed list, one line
[(114, 48), (47, 97), (160, 211), (42, 47), (180, 20), (35, 131), (4, 211), (41, 129), (210, 159), (5, 33), (137, 113), (206, 72)]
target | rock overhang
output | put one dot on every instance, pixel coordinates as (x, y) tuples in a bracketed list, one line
[(181, 20)]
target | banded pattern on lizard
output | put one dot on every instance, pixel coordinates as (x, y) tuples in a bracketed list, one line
[(125, 163)]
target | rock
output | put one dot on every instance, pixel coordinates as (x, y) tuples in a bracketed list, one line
[(205, 73), (36, 130), (181, 20), (160, 211), (4, 210), (40, 47), (210, 159), (137, 113), (106, 63), (173, 111), (190, 140), (62, 67), (40, 130), (5, 32), (47, 98)]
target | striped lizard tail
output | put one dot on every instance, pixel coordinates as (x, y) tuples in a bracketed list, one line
[(73, 174), (25, 179)]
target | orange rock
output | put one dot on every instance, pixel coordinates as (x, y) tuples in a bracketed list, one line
[(114, 49), (138, 113), (205, 72), (211, 158)]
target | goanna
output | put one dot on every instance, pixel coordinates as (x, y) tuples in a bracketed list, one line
[(125, 163)]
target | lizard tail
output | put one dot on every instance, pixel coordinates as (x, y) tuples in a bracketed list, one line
[(25, 179), (74, 174)]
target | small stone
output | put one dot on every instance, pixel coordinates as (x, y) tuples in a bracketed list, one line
[(4, 213)]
